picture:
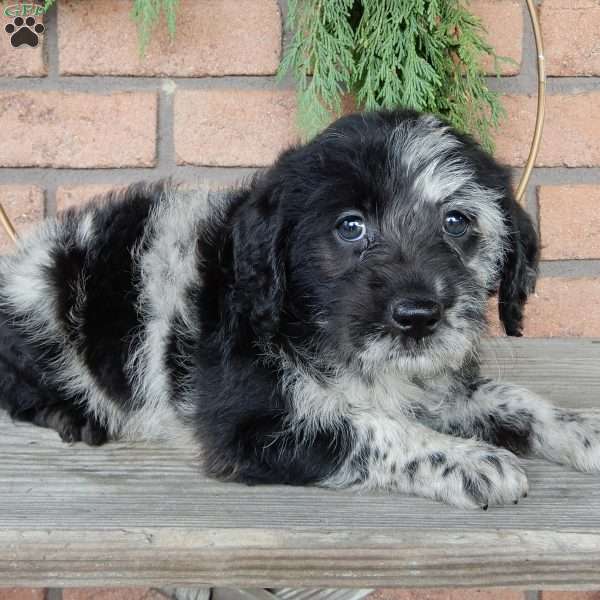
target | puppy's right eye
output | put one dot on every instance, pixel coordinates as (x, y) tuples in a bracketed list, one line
[(455, 223), (351, 228)]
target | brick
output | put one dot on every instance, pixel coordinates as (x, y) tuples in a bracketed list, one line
[(571, 31), (233, 127), (559, 595), (564, 307), (446, 594), (213, 37), (112, 594), (569, 221), (24, 206), (23, 61), (79, 195), (22, 593), (560, 307), (498, 17), (55, 129), (571, 133)]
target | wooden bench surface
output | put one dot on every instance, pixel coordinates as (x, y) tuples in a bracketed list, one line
[(135, 514)]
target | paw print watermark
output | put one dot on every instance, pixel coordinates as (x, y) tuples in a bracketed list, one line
[(25, 27), (24, 32)]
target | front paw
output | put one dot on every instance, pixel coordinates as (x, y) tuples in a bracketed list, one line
[(475, 476), (73, 426)]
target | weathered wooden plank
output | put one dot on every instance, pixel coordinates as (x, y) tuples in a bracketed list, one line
[(129, 488), (566, 371), (325, 557), (136, 514)]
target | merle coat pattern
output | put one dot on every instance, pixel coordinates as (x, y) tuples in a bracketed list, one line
[(318, 325)]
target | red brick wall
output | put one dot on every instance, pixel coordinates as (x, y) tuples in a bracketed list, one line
[(83, 112)]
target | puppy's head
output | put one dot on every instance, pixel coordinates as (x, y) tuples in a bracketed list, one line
[(379, 242)]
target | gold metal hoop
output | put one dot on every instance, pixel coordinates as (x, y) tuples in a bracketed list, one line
[(537, 134), (541, 102), (8, 226)]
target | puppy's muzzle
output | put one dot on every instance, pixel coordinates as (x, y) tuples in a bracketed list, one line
[(417, 318)]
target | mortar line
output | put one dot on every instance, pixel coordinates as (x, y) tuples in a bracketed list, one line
[(529, 58), (520, 84), (283, 15), (51, 45), (524, 82), (570, 268), (106, 84), (540, 175), (572, 85), (165, 139), (50, 203), (8, 174), (51, 49), (565, 175)]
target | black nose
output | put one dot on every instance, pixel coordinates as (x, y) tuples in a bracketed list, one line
[(417, 318)]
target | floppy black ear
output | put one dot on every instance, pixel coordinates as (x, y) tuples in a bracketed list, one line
[(259, 249), (520, 269)]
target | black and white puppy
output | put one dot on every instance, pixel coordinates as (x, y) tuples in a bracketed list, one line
[(317, 326)]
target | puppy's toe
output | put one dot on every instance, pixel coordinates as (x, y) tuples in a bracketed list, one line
[(94, 434), (73, 427), (484, 477)]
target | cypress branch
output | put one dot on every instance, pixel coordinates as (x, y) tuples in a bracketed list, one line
[(420, 54)]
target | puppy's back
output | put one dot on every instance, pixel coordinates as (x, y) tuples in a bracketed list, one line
[(89, 294)]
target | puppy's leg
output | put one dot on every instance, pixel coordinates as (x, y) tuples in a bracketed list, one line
[(372, 453), (513, 417), (409, 457), (27, 395)]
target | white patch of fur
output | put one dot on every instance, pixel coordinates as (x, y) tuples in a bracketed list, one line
[(85, 228), (443, 351), (399, 458), (419, 153), (24, 278), (317, 404), (167, 268)]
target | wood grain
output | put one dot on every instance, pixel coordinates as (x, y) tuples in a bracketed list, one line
[(137, 514), (566, 371)]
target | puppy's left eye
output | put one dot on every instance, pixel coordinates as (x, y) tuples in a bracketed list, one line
[(455, 223), (351, 228)]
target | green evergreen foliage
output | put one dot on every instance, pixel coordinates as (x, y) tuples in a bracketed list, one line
[(147, 14), (421, 54)]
